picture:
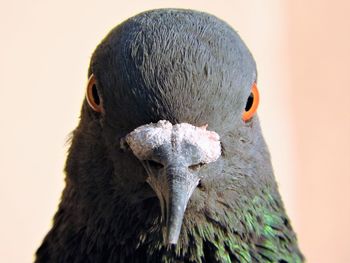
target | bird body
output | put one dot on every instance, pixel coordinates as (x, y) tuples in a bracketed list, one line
[(161, 167)]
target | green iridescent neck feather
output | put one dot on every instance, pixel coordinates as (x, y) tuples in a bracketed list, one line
[(256, 231)]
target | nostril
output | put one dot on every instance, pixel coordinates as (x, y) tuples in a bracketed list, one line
[(201, 186), (155, 165), (196, 167)]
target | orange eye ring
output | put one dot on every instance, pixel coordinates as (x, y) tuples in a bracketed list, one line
[(92, 96), (252, 104)]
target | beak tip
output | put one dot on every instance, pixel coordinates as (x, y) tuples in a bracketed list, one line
[(177, 192), (172, 241), (171, 237)]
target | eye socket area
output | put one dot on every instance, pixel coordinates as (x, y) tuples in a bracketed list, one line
[(252, 104), (93, 98)]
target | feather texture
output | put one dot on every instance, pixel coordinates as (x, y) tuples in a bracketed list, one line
[(181, 66)]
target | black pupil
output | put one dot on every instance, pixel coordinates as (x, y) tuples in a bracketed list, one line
[(249, 102), (95, 95)]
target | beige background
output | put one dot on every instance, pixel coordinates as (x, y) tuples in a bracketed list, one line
[(302, 49)]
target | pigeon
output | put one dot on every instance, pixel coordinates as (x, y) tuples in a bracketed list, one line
[(168, 162)]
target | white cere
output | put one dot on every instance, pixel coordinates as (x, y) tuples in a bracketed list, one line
[(147, 137)]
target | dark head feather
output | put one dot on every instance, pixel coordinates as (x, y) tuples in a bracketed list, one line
[(180, 66)]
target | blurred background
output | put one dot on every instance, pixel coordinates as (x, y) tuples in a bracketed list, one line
[(302, 49)]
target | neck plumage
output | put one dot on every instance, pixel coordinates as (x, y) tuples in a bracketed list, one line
[(257, 230)]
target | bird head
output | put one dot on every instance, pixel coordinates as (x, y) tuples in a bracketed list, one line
[(172, 95)]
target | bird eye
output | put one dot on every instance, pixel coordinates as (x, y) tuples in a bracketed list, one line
[(252, 104), (92, 95)]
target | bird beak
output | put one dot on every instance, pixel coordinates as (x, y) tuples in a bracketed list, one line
[(174, 188), (167, 152)]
